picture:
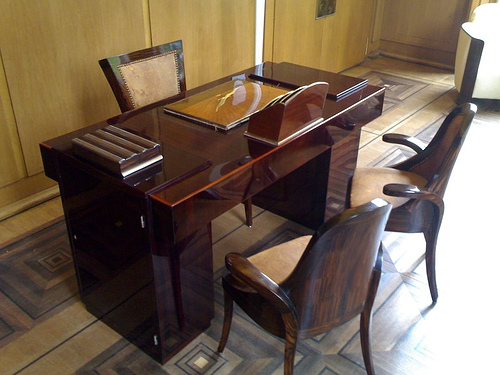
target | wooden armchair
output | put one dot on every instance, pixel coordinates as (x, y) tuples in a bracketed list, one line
[(146, 76), (143, 77), (416, 186), (312, 284)]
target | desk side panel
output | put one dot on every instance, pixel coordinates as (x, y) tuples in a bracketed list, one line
[(111, 255), (50, 164)]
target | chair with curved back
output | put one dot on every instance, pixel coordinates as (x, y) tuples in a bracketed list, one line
[(146, 76), (416, 186), (149, 75), (312, 284)]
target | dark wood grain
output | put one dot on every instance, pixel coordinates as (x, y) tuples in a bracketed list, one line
[(335, 280), (204, 173), (285, 119)]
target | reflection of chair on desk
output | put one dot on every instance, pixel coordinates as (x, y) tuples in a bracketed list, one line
[(308, 286), (416, 186), (146, 76)]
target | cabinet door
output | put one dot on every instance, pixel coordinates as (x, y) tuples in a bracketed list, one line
[(112, 255)]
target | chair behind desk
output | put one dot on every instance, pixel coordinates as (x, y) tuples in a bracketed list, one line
[(147, 76), (142, 77)]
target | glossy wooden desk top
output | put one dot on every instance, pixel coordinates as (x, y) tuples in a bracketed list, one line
[(198, 157)]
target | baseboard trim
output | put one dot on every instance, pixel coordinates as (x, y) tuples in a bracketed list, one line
[(29, 202), (416, 60)]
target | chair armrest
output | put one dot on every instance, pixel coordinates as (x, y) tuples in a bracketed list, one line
[(380, 259), (414, 192), (245, 271), (405, 140)]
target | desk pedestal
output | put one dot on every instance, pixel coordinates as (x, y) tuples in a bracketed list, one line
[(146, 288)]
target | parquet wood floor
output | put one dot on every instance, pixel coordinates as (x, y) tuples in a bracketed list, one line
[(44, 328)]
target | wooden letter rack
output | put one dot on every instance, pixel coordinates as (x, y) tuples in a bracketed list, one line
[(289, 115)]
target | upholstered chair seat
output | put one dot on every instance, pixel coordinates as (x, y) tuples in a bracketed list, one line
[(368, 184), (279, 261)]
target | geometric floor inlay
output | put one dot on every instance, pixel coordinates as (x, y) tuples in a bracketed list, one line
[(56, 260), (397, 88), (201, 360)]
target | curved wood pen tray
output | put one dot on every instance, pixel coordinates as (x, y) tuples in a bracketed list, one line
[(287, 119)]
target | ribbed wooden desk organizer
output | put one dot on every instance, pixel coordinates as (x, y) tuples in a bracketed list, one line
[(117, 150), (289, 117)]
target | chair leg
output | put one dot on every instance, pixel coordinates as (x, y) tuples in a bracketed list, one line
[(430, 262), (248, 212), (290, 344), (365, 327), (366, 315), (228, 316)]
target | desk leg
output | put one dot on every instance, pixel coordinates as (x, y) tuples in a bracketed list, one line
[(183, 274), (343, 163)]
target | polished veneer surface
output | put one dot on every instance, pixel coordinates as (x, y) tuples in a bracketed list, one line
[(146, 240), (45, 329)]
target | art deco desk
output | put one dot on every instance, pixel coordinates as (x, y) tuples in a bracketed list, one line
[(142, 245)]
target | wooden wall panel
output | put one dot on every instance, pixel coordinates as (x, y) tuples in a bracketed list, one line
[(11, 158), (332, 43), (424, 31), (269, 30), (425, 23), (218, 35), (50, 52)]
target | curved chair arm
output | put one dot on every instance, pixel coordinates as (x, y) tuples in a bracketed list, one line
[(414, 192), (244, 270), (380, 258), (405, 140)]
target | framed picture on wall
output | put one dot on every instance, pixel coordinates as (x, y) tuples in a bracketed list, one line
[(325, 8)]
